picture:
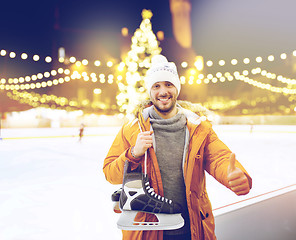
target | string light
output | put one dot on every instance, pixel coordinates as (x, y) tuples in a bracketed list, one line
[(97, 63), (210, 63), (85, 62), (221, 62), (184, 64), (36, 58), (265, 86), (48, 59), (53, 101), (258, 59), (3, 52), (109, 63), (270, 75), (246, 61), (12, 54), (199, 63), (243, 77), (234, 61), (72, 59), (283, 56), (18, 83), (24, 56), (270, 58), (39, 76)]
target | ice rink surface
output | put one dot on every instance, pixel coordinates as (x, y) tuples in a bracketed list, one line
[(52, 186)]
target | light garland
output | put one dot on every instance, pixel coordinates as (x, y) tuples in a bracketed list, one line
[(34, 77), (273, 76), (198, 62), (241, 77), (43, 84), (246, 60), (266, 86), (49, 59), (219, 77), (53, 101), (24, 56), (29, 82)]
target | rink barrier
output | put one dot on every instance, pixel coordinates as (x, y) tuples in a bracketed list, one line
[(61, 136), (267, 216), (255, 199), (114, 134)]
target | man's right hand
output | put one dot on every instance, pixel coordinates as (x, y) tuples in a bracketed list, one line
[(144, 141)]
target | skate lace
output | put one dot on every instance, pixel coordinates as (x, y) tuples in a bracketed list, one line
[(151, 191)]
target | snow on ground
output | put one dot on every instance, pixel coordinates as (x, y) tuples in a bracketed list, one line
[(52, 186)]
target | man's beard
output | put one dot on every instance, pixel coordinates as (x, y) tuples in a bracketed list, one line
[(165, 110)]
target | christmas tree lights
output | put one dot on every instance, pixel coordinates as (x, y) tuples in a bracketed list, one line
[(144, 46)]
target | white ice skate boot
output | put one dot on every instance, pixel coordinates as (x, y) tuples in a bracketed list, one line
[(138, 196)]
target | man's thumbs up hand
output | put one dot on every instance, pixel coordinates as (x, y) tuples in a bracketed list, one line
[(237, 180)]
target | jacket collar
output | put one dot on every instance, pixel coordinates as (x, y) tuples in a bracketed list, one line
[(192, 117)]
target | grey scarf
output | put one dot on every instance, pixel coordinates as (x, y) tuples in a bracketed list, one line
[(169, 147)]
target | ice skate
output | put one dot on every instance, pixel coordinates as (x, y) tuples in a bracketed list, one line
[(115, 199), (138, 196)]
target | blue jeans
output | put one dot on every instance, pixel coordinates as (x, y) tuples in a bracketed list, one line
[(186, 236)]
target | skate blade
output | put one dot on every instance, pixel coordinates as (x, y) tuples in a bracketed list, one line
[(165, 222)]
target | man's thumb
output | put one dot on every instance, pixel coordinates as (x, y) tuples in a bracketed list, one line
[(231, 162)]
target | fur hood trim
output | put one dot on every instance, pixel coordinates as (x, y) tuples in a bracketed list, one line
[(194, 112)]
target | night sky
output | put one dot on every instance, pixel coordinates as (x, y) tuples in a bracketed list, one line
[(38, 25), (220, 27)]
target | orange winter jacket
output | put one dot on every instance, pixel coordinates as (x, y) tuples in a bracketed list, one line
[(205, 152)]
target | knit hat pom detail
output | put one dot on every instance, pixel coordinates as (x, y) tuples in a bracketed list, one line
[(160, 71), (158, 59)]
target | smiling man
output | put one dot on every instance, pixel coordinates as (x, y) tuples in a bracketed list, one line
[(163, 85), (180, 147)]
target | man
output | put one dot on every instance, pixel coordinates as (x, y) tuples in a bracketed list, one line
[(180, 147)]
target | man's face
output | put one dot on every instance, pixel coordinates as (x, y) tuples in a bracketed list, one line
[(164, 96)]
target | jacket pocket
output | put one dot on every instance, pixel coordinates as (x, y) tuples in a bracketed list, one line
[(207, 218)]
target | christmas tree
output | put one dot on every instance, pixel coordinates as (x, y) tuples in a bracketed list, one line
[(144, 46)]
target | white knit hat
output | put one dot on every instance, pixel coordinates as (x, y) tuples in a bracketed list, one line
[(160, 71)]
